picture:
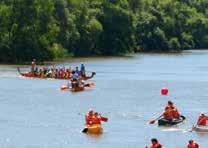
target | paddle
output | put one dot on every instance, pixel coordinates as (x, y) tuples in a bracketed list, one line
[(153, 121), (89, 84), (104, 119)]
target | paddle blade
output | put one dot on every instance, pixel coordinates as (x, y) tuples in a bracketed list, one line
[(152, 122), (104, 119), (85, 130), (64, 87)]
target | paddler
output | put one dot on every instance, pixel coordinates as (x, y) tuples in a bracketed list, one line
[(173, 109), (77, 71), (75, 79), (155, 143), (202, 120), (192, 144)]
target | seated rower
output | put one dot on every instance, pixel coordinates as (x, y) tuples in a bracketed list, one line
[(155, 143), (77, 71), (74, 79), (174, 110), (94, 118), (202, 120), (192, 144)]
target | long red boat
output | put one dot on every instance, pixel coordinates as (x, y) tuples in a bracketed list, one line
[(34, 75)]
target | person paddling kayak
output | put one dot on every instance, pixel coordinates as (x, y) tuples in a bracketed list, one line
[(155, 143), (93, 123), (202, 120), (192, 144), (94, 118)]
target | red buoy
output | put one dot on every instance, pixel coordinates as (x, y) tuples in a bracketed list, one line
[(164, 91)]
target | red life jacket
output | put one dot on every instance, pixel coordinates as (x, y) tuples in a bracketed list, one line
[(193, 145), (175, 113), (157, 145), (89, 119), (202, 121), (168, 115)]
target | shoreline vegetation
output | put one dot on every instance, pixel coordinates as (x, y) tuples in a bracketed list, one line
[(48, 30)]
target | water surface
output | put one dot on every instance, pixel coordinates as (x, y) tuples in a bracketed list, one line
[(34, 113)]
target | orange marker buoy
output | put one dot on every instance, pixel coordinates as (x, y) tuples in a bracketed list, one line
[(164, 91)]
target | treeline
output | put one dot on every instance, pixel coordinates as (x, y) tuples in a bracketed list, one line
[(50, 29)]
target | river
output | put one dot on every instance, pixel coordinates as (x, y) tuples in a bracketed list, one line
[(34, 113)]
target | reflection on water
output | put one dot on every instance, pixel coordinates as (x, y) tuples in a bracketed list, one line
[(35, 113)]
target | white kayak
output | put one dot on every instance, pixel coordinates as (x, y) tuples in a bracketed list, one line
[(199, 128)]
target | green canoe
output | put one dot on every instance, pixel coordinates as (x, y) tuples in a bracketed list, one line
[(164, 122)]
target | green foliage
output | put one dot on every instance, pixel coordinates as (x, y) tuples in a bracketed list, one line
[(57, 51), (174, 44), (50, 29)]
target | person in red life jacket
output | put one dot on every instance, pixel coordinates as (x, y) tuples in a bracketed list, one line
[(202, 120), (192, 144), (155, 143), (174, 110), (89, 117), (168, 114)]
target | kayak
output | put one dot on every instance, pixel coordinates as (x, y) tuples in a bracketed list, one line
[(164, 122), (93, 129), (199, 128), (33, 75)]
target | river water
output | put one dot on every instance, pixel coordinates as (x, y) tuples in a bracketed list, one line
[(34, 113)]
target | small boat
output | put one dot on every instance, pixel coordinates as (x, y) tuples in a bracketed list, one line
[(66, 87), (93, 129), (34, 75), (199, 128), (164, 122)]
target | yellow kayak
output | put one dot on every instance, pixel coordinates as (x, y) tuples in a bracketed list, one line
[(93, 129)]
